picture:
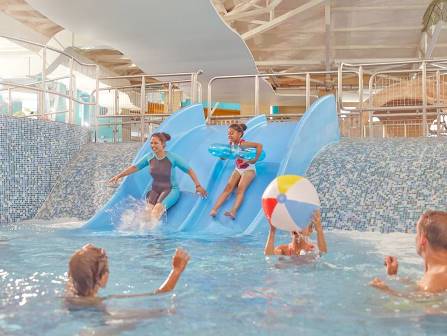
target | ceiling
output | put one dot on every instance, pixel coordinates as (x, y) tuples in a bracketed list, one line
[(285, 35), (225, 37)]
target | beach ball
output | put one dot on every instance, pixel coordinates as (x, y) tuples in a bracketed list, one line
[(289, 202)]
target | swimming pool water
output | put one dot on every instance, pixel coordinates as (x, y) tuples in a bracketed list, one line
[(229, 287)]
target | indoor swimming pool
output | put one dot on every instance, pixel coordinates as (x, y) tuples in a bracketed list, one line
[(229, 286)]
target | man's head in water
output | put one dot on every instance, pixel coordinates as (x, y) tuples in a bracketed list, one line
[(158, 142), (431, 233), (235, 132), (88, 270)]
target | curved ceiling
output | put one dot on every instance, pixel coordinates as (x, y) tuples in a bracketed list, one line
[(165, 36)]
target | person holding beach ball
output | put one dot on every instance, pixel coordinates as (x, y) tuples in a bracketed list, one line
[(291, 203)]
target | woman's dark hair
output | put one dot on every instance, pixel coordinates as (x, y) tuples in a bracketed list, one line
[(163, 137), (239, 127)]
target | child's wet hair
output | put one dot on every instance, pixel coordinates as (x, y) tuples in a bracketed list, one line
[(238, 127)]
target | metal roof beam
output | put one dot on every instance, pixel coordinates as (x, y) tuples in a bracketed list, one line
[(293, 63), (433, 39), (247, 14), (242, 7), (342, 47), (280, 19), (376, 29), (370, 8)]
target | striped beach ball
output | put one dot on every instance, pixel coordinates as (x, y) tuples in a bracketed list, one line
[(289, 202)]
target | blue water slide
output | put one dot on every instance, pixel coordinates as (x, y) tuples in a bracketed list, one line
[(289, 148), (317, 129), (179, 125), (275, 138)]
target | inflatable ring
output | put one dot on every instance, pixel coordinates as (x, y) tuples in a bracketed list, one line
[(225, 151)]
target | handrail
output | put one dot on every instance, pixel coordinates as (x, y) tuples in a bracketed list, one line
[(434, 73), (48, 48), (139, 86), (265, 75), (134, 116), (32, 88), (196, 89), (155, 75), (249, 116), (39, 82), (394, 62)]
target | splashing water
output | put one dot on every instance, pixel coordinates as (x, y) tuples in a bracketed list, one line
[(136, 219)]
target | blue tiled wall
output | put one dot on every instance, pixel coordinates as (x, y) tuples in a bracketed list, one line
[(81, 189), (32, 154), (380, 184)]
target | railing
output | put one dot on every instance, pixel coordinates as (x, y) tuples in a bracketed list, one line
[(228, 120), (418, 90), (407, 98), (138, 111), (47, 79), (118, 88), (310, 83)]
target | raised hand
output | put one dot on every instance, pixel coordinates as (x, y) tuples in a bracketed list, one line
[(391, 265), (316, 220), (180, 260)]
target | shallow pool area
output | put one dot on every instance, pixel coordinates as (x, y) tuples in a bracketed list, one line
[(229, 287)]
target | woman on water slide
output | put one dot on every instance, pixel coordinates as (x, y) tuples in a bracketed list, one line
[(164, 192)]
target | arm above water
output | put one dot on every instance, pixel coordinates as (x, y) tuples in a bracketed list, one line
[(270, 244), (270, 248), (321, 241), (382, 286), (129, 170), (144, 162), (179, 262), (392, 265)]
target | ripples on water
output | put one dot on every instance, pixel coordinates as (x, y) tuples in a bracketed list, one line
[(229, 287)]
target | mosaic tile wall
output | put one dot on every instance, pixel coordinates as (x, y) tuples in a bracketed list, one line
[(380, 184), (81, 190), (32, 154)]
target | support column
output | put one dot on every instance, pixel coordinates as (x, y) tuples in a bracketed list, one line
[(142, 107), (307, 91), (42, 95), (361, 97), (257, 95)]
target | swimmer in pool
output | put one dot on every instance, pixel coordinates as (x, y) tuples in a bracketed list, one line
[(243, 174), (299, 244), (88, 272), (431, 245), (164, 192)]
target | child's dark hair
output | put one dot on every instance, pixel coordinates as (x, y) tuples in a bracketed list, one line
[(239, 127), (163, 137)]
